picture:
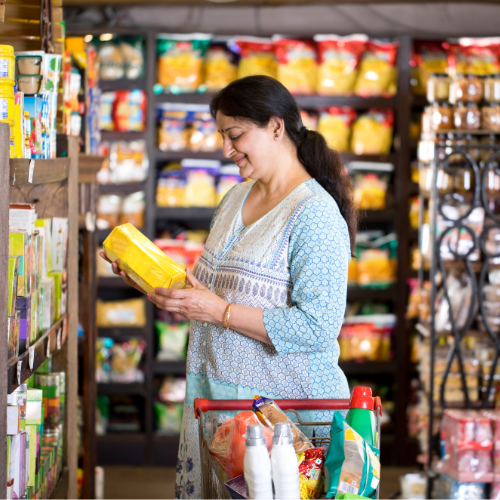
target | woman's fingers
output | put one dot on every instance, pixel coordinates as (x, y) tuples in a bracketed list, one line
[(103, 256), (192, 279), (172, 293), (162, 302)]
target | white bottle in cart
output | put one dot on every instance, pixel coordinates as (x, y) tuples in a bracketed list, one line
[(284, 464), (257, 465)]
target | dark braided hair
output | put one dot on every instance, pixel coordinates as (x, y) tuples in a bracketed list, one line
[(258, 98)]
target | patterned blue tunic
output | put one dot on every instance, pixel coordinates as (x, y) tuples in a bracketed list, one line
[(293, 264)]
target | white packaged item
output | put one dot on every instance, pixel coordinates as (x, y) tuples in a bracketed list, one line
[(12, 420), (413, 486), (59, 243), (22, 219), (256, 465), (284, 464)]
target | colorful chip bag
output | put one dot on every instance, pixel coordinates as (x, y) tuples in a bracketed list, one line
[(338, 62), (335, 126), (311, 473), (428, 57), (220, 67), (372, 132), (297, 65), (257, 56)]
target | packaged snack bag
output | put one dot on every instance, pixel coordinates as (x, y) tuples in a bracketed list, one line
[(311, 473), (338, 62), (257, 56), (220, 67), (172, 133), (371, 181), (377, 262), (129, 110), (335, 126), (352, 465), (269, 414), (297, 65), (180, 61), (142, 260), (428, 57), (372, 132), (481, 55), (228, 444), (377, 72)]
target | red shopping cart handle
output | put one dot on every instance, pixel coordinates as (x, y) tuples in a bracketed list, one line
[(284, 404)]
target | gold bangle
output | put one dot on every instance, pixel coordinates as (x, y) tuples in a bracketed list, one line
[(228, 312)]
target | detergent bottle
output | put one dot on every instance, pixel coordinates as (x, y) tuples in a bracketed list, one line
[(361, 414)]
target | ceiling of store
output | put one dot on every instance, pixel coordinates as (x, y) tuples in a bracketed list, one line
[(387, 18)]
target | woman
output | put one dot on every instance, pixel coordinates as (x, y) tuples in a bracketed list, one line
[(269, 291)]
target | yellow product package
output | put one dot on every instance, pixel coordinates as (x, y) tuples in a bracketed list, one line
[(131, 312), (257, 56), (142, 260), (372, 132)]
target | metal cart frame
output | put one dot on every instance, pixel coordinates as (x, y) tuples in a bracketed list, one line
[(213, 482)]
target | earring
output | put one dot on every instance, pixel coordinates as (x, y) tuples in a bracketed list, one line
[(276, 136)]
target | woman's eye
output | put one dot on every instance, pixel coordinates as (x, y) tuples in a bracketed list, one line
[(237, 137)]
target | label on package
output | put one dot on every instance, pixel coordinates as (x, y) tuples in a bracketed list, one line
[(4, 68), (4, 109)]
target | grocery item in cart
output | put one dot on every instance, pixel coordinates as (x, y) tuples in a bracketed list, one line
[(257, 464), (311, 473), (353, 465), (270, 414), (142, 260), (284, 463), (228, 444)]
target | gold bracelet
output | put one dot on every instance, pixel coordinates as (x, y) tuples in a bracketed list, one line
[(228, 312)]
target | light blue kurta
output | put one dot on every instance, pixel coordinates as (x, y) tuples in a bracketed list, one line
[(293, 264)]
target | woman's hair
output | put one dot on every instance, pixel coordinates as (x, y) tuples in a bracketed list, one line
[(257, 99)]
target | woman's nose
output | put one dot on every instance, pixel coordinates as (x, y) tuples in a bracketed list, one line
[(227, 147)]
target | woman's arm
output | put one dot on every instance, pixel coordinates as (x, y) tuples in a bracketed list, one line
[(200, 304)]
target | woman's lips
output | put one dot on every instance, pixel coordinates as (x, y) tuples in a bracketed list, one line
[(239, 159)]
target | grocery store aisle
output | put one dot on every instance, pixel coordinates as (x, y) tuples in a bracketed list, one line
[(158, 482)]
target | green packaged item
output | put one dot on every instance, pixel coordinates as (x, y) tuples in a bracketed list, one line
[(49, 383), (19, 246), (168, 417), (62, 392), (58, 285), (12, 279), (34, 399), (348, 496), (351, 465), (172, 341), (46, 224)]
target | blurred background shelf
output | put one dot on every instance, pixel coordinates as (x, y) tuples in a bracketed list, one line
[(116, 389)]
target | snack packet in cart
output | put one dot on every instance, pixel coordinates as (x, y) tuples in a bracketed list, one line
[(269, 414), (352, 465), (311, 474)]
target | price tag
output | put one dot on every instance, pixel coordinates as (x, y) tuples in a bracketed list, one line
[(58, 338), (31, 170), (31, 355), (19, 366), (48, 346)]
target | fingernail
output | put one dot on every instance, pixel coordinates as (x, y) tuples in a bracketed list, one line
[(149, 296), (156, 290)]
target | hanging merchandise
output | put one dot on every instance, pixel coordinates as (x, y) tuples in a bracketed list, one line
[(377, 70), (372, 132), (257, 56), (220, 67), (335, 124), (297, 64), (180, 61), (338, 63)]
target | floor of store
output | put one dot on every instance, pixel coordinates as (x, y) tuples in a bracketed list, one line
[(159, 482)]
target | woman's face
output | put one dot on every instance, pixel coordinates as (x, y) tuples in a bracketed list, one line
[(252, 148)]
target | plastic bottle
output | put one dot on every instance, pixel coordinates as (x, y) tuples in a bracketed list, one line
[(361, 415), (284, 464), (256, 465)]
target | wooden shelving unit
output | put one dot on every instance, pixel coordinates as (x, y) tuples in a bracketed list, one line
[(52, 185)]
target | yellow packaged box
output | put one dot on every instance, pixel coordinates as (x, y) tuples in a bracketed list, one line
[(142, 260)]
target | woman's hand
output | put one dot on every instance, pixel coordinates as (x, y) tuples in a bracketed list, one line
[(122, 274), (197, 303)]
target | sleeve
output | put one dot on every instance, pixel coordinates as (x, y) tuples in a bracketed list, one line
[(319, 255)]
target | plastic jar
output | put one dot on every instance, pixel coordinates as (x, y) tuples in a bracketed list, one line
[(436, 117), (438, 87), (490, 115), (467, 116), (491, 88), (466, 88), (7, 64)]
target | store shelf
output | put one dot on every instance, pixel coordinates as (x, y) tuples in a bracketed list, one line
[(165, 449), (419, 101), (128, 188), (123, 448), (384, 158), (374, 216), (380, 294), (49, 336), (115, 389), (169, 367), (181, 155), (122, 84), (185, 214), (351, 368), (303, 101), (121, 332), (112, 283), (23, 171), (122, 136)]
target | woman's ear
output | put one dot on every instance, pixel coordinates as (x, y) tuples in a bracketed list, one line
[(276, 127)]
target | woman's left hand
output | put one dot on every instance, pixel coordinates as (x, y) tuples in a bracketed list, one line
[(197, 303)]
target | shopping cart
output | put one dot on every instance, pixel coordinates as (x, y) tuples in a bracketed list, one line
[(212, 478)]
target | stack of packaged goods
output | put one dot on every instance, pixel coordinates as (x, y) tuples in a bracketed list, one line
[(195, 183), (325, 65), (28, 101), (376, 262), (113, 210), (35, 418), (123, 111), (371, 183), (37, 276), (120, 57)]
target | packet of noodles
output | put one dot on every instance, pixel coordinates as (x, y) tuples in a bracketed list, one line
[(269, 413), (311, 473), (257, 56)]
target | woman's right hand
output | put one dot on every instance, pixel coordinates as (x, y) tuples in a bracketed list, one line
[(122, 274)]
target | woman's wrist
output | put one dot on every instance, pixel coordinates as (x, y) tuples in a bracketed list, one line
[(221, 314)]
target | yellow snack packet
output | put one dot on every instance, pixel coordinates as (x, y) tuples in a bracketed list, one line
[(142, 260)]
